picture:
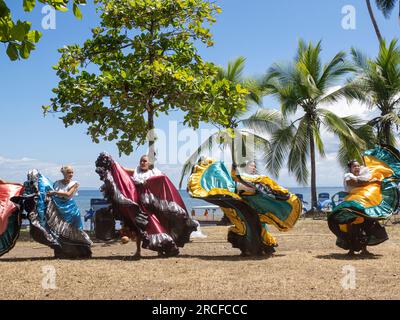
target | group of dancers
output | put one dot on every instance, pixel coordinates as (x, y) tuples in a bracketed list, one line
[(155, 217)]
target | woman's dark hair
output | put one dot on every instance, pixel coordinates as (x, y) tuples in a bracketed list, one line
[(350, 163)]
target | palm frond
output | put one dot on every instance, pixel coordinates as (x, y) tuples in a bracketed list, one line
[(360, 60), (264, 121), (250, 146), (348, 150), (341, 126), (235, 69), (335, 70), (378, 84), (338, 94), (318, 140), (386, 6), (297, 160), (280, 144), (207, 145), (390, 118)]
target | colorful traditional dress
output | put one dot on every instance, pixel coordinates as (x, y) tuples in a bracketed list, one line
[(364, 176), (356, 220), (251, 207), (10, 216), (54, 221), (74, 216), (148, 204)]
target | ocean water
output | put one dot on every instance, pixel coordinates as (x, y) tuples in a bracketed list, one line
[(84, 196), (83, 200)]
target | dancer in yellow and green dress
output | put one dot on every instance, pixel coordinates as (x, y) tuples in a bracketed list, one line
[(250, 201), (371, 197)]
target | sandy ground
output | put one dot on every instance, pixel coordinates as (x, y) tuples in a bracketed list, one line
[(307, 265)]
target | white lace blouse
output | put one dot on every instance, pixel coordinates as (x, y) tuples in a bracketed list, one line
[(140, 176), (61, 186)]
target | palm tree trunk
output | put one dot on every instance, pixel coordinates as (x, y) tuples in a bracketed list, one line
[(372, 16), (233, 153), (386, 132), (313, 173)]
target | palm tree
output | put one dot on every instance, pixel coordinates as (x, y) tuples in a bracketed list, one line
[(377, 83), (302, 86), (386, 7), (230, 137), (372, 16), (234, 74)]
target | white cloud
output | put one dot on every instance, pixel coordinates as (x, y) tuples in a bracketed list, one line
[(16, 170)]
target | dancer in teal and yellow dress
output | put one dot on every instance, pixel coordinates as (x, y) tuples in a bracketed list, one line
[(371, 197), (250, 201)]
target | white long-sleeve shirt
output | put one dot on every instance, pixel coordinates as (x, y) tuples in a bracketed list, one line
[(364, 176)]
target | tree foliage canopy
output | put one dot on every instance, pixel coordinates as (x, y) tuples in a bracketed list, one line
[(142, 61), (18, 36)]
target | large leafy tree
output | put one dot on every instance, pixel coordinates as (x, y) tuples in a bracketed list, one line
[(377, 83), (18, 36), (142, 61), (302, 87)]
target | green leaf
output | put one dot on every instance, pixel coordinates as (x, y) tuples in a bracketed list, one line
[(18, 31), (107, 75), (61, 7), (4, 11), (12, 51), (29, 5), (34, 36), (46, 109), (77, 11), (25, 49)]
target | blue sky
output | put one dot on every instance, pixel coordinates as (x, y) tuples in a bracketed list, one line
[(264, 31)]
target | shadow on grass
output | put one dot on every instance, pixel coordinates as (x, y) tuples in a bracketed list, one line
[(27, 259), (229, 258), (345, 256), (133, 258)]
